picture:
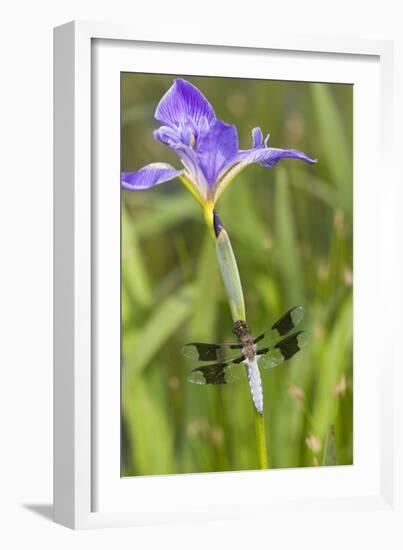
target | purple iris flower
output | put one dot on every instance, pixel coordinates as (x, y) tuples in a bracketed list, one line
[(207, 147)]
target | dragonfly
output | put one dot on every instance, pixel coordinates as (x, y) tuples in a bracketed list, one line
[(227, 363)]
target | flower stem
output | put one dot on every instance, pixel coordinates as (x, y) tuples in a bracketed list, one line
[(232, 283), (230, 275), (261, 441)]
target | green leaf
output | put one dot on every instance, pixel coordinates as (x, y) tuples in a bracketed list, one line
[(336, 146), (164, 321), (145, 417), (286, 246), (319, 189), (330, 451), (134, 273), (336, 354), (239, 199), (206, 290), (167, 214)]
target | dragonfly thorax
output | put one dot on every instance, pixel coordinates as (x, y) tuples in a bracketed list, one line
[(245, 337)]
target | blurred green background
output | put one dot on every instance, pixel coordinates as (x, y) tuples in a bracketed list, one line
[(291, 230)]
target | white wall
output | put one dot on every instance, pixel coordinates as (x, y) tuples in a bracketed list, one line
[(26, 266)]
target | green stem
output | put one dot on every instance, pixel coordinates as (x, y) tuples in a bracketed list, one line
[(230, 275), (261, 441), (232, 283)]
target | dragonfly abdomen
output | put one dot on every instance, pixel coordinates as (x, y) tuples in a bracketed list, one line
[(255, 384)]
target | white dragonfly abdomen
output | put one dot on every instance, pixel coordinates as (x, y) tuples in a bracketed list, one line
[(255, 384)]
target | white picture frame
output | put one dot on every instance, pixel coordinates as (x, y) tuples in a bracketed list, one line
[(88, 491)]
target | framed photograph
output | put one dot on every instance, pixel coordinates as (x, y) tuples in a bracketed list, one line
[(223, 291)]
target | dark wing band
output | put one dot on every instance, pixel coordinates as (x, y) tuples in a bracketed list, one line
[(218, 373), (208, 352), (284, 325), (283, 350)]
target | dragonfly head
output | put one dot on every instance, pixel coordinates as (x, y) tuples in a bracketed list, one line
[(241, 329)]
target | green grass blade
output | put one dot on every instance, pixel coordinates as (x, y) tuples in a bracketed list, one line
[(134, 272), (336, 146), (335, 353), (166, 213), (330, 451), (145, 417), (207, 288), (163, 323), (286, 247)]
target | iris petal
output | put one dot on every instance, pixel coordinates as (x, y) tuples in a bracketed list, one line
[(182, 104), (257, 137), (166, 135), (190, 161), (148, 176), (172, 138), (265, 156), (270, 156), (217, 150), (207, 147)]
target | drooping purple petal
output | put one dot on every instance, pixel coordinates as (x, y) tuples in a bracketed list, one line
[(148, 176), (270, 156), (217, 150), (183, 104)]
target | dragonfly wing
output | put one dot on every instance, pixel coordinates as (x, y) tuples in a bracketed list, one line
[(289, 320), (218, 373), (285, 324), (199, 351), (283, 350)]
